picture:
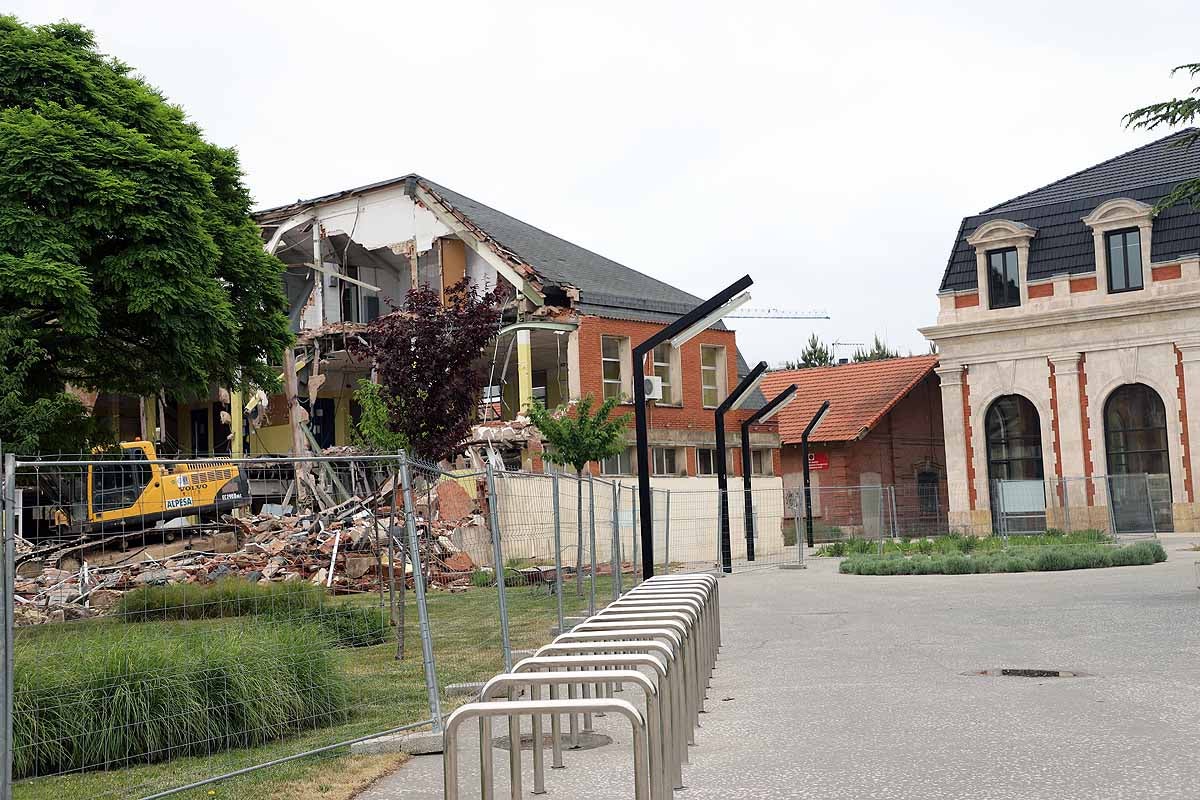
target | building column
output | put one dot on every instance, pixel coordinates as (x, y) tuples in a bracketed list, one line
[(524, 371), (1071, 437), (957, 435), (237, 408), (1189, 390)]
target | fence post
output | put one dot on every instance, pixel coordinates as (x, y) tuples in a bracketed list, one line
[(558, 581), (8, 530), (637, 535), (414, 546), (396, 613), (637, 540), (895, 515), (617, 560), (591, 544), (667, 536), (498, 560), (1150, 507)]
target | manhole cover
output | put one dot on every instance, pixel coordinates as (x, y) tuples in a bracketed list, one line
[(587, 741), (1022, 672)]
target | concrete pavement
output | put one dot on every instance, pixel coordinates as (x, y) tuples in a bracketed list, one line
[(833, 686)]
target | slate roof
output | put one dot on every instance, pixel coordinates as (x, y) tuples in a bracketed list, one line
[(607, 288), (1063, 243), (860, 396)]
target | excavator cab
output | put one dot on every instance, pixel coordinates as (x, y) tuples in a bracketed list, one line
[(132, 492)]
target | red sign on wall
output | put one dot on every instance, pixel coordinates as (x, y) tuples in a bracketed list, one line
[(818, 461)]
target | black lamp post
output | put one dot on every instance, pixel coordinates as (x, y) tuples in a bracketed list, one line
[(732, 401), (681, 330), (773, 407), (812, 425)]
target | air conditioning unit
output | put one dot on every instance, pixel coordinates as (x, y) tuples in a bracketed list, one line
[(653, 386)]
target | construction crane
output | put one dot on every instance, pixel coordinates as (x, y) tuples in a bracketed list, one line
[(776, 313)]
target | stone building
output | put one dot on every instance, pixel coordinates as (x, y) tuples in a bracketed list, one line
[(1069, 336)]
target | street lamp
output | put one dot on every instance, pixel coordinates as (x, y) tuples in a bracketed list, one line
[(681, 330), (773, 407), (735, 399), (812, 426)]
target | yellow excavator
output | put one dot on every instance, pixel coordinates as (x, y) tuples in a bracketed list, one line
[(133, 493)]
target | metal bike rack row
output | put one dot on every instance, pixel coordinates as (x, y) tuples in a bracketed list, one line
[(661, 637)]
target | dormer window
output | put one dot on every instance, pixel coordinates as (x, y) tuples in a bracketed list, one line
[(1124, 250), (1004, 279)]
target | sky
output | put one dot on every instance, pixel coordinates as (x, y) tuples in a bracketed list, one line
[(829, 150)]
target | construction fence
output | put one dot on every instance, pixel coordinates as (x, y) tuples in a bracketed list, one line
[(172, 623)]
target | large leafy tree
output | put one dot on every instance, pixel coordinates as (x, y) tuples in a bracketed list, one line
[(426, 356), (577, 436), (128, 259), (815, 354), (1173, 112)]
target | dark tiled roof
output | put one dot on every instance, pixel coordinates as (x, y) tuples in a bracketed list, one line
[(1063, 243), (860, 395)]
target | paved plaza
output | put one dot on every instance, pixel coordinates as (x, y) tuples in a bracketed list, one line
[(833, 686)]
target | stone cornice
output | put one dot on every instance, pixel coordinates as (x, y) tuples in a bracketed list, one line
[(1064, 316)]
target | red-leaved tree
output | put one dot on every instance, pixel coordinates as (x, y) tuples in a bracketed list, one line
[(426, 359)]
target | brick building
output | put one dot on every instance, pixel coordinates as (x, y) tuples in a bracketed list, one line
[(883, 429), (1070, 353), (568, 331)]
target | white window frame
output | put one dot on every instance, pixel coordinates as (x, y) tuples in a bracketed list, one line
[(716, 371), (655, 452), (624, 463), (623, 383), (700, 461), (671, 382)]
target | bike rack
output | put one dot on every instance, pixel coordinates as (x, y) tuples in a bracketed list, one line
[(669, 625), (509, 682), (641, 753), (618, 661)]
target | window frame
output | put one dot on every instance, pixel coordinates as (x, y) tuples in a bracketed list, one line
[(664, 473), (625, 460), (766, 457), (718, 367), (927, 479), (1108, 265), (1003, 252), (669, 380), (621, 380)]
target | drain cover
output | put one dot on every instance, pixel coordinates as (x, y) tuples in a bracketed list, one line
[(1013, 672), (587, 741)]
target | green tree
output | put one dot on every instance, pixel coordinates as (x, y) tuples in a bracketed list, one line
[(374, 429), (879, 351), (576, 437), (1173, 112), (128, 259), (815, 354)]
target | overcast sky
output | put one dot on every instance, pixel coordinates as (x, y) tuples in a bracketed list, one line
[(828, 149)]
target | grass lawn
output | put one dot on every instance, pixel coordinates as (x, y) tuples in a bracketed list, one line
[(386, 693)]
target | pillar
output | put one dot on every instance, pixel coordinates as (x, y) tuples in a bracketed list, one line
[(1189, 358), (524, 371), (954, 423), (237, 410)]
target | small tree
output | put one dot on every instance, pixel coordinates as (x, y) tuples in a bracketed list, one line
[(576, 437), (879, 352), (1176, 111), (426, 357), (815, 354), (374, 430)]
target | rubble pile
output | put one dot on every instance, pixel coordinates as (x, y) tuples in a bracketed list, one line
[(277, 544)]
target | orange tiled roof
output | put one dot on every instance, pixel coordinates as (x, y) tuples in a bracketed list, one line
[(860, 395)]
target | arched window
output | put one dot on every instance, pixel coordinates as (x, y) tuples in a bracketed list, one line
[(1135, 431), (1014, 439)]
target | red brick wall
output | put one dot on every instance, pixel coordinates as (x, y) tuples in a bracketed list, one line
[(690, 414), (908, 438)]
